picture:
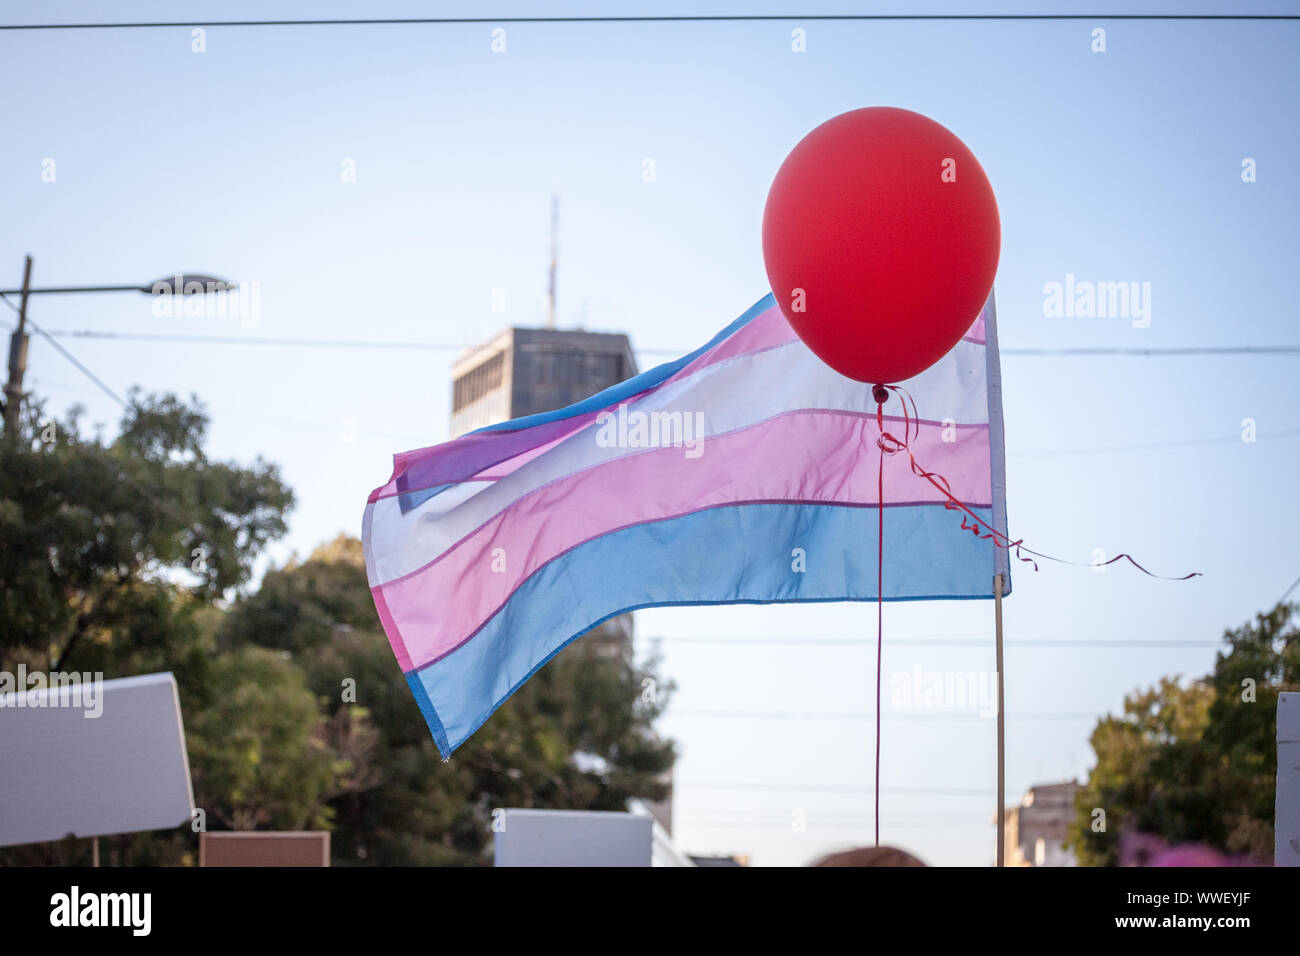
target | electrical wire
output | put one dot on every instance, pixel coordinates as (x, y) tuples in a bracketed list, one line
[(958, 715), (933, 641), (460, 346), (1287, 594), (80, 366), (666, 18)]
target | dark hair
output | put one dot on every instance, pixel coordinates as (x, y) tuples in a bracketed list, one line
[(870, 856)]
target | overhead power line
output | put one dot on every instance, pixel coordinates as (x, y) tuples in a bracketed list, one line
[(958, 714), (259, 341), (398, 436), (1168, 352), (81, 367), (702, 18), (836, 824), (460, 346), (406, 345), (49, 337), (1287, 593), (833, 788), (933, 641), (1234, 439)]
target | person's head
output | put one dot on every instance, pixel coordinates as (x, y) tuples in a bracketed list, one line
[(870, 856)]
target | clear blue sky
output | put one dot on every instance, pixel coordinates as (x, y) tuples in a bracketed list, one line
[(1117, 166)]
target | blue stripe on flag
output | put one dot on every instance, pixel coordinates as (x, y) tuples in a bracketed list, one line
[(707, 557), (429, 713)]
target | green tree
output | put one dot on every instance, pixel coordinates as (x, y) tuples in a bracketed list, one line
[(117, 556), (113, 558), (95, 535), (579, 735), (1195, 762), (262, 753)]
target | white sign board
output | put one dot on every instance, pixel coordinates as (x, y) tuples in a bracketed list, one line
[(106, 758), (572, 838)]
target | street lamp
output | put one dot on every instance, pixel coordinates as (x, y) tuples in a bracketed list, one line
[(191, 283), (178, 284)]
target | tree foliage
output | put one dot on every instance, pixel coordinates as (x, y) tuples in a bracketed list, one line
[(94, 534), (135, 555), (260, 750), (1195, 762)]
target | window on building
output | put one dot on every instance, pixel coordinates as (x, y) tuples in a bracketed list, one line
[(478, 381)]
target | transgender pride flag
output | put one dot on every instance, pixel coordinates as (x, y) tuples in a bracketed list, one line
[(744, 473)]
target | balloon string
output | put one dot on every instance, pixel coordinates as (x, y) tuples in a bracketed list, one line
[(880, 608), (891, 445)]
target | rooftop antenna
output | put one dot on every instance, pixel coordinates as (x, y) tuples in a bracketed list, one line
[(550, 291)]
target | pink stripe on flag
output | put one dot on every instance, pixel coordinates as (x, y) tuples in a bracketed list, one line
[(806, 456), (976, 332), (764, 331), (390, 628)]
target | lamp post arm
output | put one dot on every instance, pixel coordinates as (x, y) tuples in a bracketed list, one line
[(55, 290)]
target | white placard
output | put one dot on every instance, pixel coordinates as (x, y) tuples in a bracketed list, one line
[(572, 838), (107, 758)]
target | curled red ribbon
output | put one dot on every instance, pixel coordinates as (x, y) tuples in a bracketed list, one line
[(890, 444)]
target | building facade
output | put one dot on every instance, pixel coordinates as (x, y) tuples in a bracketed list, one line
[(1035, 831), (528, 371)]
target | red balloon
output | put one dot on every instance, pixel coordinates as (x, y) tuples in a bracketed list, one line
[(881, 240)]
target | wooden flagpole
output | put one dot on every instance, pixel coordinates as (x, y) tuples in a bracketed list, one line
[(1002, 726)]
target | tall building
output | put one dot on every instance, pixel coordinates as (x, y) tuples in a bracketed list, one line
[(523, 372), (1035, 830), (526, 371)]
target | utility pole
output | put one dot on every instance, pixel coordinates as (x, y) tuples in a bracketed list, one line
[(1000, 852), (17, 359), (176, 284), (550, 291)]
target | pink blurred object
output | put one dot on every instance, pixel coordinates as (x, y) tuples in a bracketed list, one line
[(1142, 849)]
